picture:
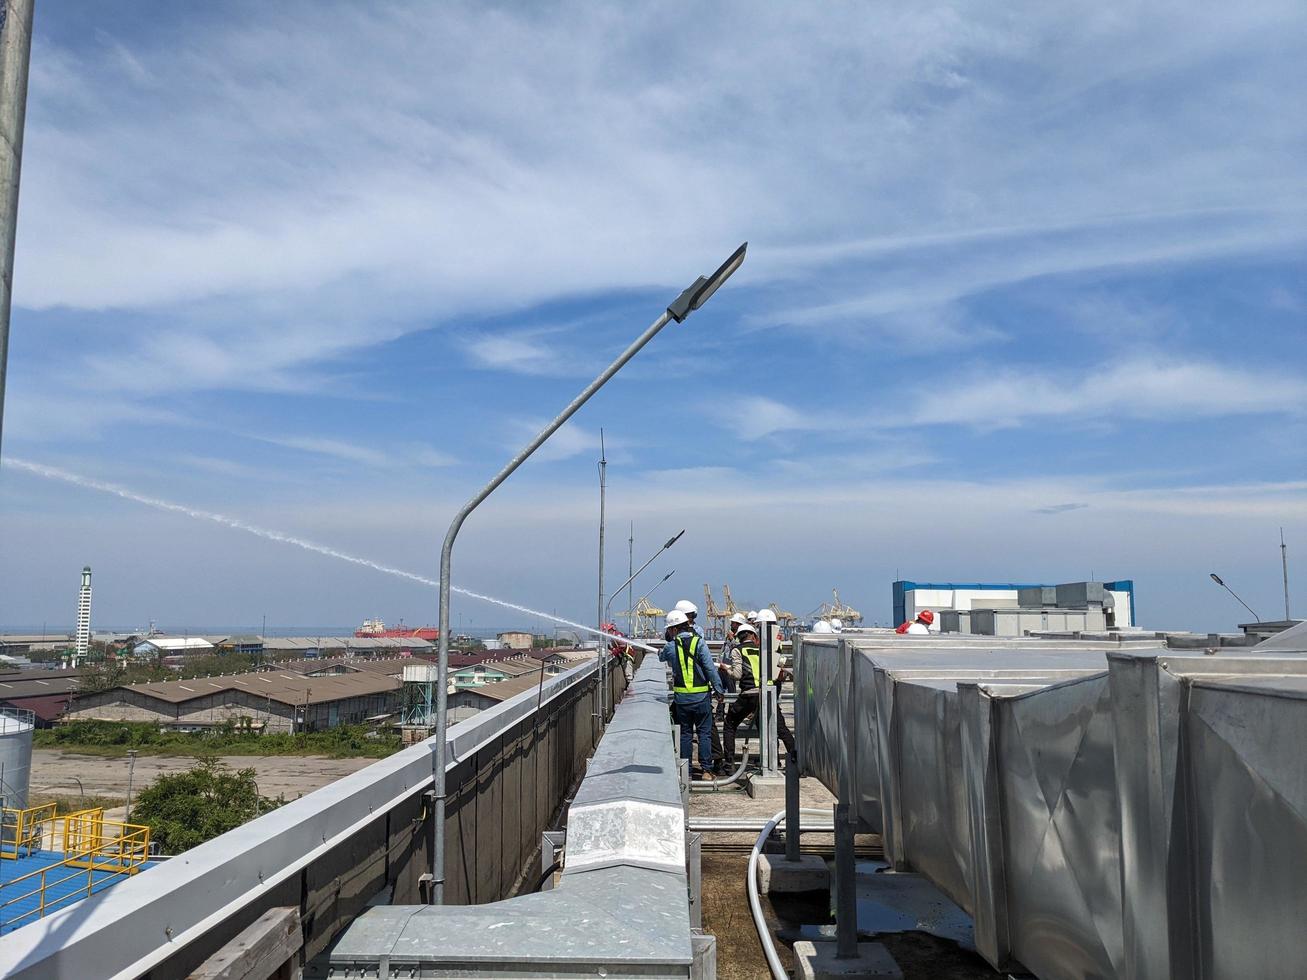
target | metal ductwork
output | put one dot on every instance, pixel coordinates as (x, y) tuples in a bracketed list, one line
[(1099, 809)]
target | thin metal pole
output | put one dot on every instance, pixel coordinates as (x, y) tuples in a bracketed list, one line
[(131, 771), (1284, 569), (792, 829), (599, 609), (15, 57), (630, 582), (846, 905), (439, 750)]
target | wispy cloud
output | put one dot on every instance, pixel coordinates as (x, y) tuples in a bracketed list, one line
[(1059, 508), (516, 353), (756, 416), (1137, 389), (349, 452)]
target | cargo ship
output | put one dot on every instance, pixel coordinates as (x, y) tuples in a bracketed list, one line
[(373, 628)]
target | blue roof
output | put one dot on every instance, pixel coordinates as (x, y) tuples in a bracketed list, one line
[(64, 887)]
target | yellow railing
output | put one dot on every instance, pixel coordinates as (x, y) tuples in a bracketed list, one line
[(96, 852), (21, 831)]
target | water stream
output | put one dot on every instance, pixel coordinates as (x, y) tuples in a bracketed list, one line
[(54, 473)]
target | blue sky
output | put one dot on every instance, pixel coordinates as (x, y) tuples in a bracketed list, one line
[(1024, 301)]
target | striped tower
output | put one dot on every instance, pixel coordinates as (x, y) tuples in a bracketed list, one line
[(83, 618)]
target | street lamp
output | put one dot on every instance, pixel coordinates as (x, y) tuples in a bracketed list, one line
[(649, 593), (131, 771), (690, 300), (1217, 579), (607, 616)]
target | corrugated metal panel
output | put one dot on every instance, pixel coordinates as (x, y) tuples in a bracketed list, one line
[(1135, 814)]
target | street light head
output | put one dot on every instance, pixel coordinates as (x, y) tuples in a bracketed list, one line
[(672, 540), (701, 289), (1217, 579)]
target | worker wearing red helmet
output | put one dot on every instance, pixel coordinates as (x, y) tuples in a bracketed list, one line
[(919, 626)]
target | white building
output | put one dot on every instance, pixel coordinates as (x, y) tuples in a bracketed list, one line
[(83, 618), (1107, 605)]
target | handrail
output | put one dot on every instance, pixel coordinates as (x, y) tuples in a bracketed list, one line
[(23, 829), (90, 844)]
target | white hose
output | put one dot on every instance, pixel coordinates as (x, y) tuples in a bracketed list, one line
[(755, 904)]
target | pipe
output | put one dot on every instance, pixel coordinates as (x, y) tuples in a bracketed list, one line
[(730, 825), (774, 964), (711, 785)]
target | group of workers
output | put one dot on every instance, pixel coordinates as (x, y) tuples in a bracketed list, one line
[(698, 677)]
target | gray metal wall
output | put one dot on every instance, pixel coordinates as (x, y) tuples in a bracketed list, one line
[(332, 851), (1099, 812)]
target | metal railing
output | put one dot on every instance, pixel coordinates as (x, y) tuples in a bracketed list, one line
[(96, 854), (22, 830)]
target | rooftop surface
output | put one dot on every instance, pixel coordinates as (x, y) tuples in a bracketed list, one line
[(58, 888)]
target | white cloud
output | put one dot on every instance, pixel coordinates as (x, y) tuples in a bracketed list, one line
[(1137, 389), (756, 416), (518, 354)]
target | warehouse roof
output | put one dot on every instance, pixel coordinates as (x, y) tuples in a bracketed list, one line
[(284, 687), (503, 690), (345, 643), (178, 643)]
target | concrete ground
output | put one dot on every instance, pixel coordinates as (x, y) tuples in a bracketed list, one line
[(57, 772)]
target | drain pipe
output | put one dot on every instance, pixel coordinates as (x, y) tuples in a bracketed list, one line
[(712, 785), (774, 964)]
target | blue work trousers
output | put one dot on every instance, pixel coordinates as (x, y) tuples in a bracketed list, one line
[(695, 718)]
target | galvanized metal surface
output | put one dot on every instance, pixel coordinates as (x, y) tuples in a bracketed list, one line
[(331, 838), (1100, 810), (620, 908)]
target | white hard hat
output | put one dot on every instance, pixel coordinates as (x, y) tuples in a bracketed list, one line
[(752, 615), (676, 618), (747, 628), (766, 616), (837, 624), (821, 626), (687, 607), (739, 619)]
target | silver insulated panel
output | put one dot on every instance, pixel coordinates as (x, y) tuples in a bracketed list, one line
[(1100, 809)]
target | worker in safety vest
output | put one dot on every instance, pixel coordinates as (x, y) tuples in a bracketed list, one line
[(724, 661), (919, 626), (746, 667), (694, 679)]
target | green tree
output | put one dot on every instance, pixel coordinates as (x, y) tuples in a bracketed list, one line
[(187, 808)]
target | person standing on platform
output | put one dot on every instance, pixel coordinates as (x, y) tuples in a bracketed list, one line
[(694, 679), (746, 667)]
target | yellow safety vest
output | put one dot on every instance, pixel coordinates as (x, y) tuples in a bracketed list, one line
[(690, 679), (752, 657)]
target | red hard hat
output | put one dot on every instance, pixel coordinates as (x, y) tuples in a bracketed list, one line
[(926, 616)]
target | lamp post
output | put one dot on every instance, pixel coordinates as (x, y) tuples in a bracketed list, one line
[(1217, 579), (698, 293), (131, 771), (606, 613)]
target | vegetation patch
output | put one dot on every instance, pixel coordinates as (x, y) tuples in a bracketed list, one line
[(114, 738)]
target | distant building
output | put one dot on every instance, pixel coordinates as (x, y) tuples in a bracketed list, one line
[(517, 640), (166, 646), (83, 618), (45, 693), (269, 701), (464, 703), (1013, 609)]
